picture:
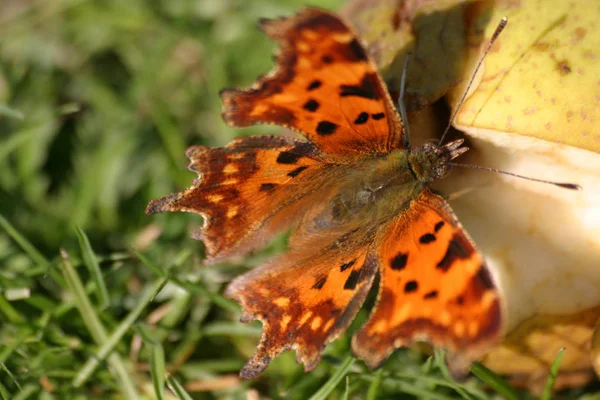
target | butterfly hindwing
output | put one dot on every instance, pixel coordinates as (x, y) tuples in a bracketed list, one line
[(305, 298), (324, 86), (434, 287)]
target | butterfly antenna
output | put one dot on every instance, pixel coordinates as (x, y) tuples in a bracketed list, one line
[(497, 32), (571, 186), (401, 107)]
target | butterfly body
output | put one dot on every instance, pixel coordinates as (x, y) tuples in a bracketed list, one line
[(379, 189), (356, 201)]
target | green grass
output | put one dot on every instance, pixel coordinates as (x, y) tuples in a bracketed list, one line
[(98, 101)]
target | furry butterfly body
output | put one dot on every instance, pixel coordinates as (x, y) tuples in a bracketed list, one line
[(355, 198)]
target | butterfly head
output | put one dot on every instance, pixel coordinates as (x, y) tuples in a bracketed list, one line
[(430, 161)]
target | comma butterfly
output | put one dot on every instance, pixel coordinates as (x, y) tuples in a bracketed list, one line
[(356, 199)]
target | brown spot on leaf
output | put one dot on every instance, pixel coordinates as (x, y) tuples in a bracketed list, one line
[(563, 67)]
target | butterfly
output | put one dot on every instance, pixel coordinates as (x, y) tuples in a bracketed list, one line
[(355, 198)]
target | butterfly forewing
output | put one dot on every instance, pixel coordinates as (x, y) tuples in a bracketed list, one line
[(248, 191), (324, 86)]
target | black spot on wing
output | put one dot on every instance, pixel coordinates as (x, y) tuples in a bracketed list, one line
[(398, 263), (411, 286), (362, 118), (484, 278), (431, 295), (347, 265), (326, 128), (377, 116), (314, 85), (285, 157), (357, 51), (267, 187), (427, 238), (352, 280), (457, 249), (367, 88), (320, 283), (294, 173), (311, 105), (438, 226), (327, 59)]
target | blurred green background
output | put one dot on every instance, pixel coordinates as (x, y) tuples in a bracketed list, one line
[(98, 102)]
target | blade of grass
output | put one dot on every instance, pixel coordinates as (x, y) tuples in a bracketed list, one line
[(12, 315), (9, 373), (153, 267), (494, 381), (103, 351), (549, 388), (4, 394), (374, 386), (347, 389), (192, 287), (408, 388), (91, 262), (92, 322), (11, 112), (26, 392), (36, 256), (176, 388), (25, 244), (157, 359), (439, 358), (334, 380)]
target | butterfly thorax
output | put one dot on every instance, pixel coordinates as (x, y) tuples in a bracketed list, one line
[(374, 190)]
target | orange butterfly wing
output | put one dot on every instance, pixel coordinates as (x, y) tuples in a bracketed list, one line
[(434, 287), (324, 86), (248, 191), (305, 298)]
